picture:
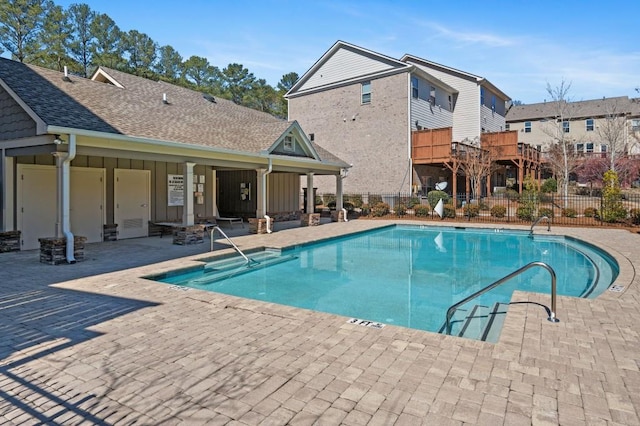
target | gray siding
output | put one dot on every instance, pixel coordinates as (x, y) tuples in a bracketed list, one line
[(373, 137), (15, 123), (283, 193), (492, 121), (343, 65)]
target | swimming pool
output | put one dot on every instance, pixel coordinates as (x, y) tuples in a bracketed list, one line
[(406, 275)]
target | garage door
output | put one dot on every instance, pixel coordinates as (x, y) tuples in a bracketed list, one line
[(37, 201)]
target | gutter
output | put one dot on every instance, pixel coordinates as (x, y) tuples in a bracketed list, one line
[(65, 199), (264, 198)]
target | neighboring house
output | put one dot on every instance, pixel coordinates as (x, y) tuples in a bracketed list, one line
[(140, 151), (366, 107), (584, 124)]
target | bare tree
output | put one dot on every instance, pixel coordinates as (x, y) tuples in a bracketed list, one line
[(612, 131), (562, 158), (477, 164)]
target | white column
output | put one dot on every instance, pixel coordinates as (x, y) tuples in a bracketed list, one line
[(6, 192), (339, 202), (214, 192), (187, 210), (311, 202), (261, 192)]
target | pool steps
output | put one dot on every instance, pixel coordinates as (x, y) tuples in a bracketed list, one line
[(479, 322), (226, 268)]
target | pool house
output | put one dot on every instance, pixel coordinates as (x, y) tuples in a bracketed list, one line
[(110, 156)]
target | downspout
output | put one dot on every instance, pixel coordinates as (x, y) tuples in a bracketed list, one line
[(66, 186), (264, 199)]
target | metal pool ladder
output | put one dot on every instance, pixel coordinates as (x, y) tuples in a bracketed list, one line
[(536, 222), (552, 313), (217, 228)]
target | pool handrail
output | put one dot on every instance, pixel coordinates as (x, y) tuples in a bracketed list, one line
[(217, 228), (552, 314), (538, 220)]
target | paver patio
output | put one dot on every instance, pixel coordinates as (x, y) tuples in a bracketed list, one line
[(94, 343)]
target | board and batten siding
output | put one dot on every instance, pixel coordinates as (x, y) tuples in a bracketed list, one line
[(345, 64), (283, 193)]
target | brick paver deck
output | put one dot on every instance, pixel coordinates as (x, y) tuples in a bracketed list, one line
[(94, 343)]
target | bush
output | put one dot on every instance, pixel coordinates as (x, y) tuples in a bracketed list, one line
[(545, 211), (318, 200), (525, 213), (400, 209), (328, 199), (545, 198), (498, 211), (380, 209), (374, 199), (434, 196), (355, 199), (549, 186), (449, 211), (590, 212), (471, 210), (634, 215), (365, 210), (512, 195), (569, 212), (347, 205), (612, 208), (421, 210)]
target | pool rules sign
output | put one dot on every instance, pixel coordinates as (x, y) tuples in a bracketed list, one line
[(175, 195)]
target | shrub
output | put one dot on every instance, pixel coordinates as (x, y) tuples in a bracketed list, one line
[(634, 215), (590, 212), (374, 199), (471, 210), (380, 209), (569, 212), (355, 199), (318, 200), (512, 195), (498, 211), (365, 210), (328, 199), (449, 211), (347, 205), (434, 196), (400, 209), (612, 208), (545, 211), (421, 210), (549, 186), (545, 198), (525, 213)]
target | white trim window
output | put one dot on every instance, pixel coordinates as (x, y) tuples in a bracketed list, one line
[(432, 95), (414, 87), (289, 144), (635, 125), (527, 127), (589, 122), (365, 91), (565, 126), (604, 147), (589, 146)]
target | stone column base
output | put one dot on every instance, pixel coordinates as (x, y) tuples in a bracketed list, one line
[(337, 216), (9, 241), (53, 251), (258, 226), (310, 219), (110, 232), (186, 235)]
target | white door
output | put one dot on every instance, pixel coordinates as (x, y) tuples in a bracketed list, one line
[(87, 199), (132, 195), (37, 203)]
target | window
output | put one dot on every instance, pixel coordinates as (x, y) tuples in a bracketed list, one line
[(507, 126), (635, 125), (590, 147), (432, 95), (414, 87), (366, 92), (604, 148), (565, 126), (288, 144), (580, 147), (493, 103), (450, 103), (482, 96), (527, 127), (312, 136), (590, 125)]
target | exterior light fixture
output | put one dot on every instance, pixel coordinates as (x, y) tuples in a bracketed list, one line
[(57, 140)]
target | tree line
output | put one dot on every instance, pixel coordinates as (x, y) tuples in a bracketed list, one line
[(42, 33)]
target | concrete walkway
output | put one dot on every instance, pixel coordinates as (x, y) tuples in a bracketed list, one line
[(94, 343)]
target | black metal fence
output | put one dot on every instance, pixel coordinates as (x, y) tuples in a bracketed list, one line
[(506, 207)]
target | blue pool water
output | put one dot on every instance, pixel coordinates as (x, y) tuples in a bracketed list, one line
[(407, 275)]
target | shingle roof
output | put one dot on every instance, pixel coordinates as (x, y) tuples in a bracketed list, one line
[(578, 109), (138, 110)]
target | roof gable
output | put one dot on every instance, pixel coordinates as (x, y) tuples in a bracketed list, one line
[(346, 63), (293, 142)]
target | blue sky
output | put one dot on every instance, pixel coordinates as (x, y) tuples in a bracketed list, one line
[(520, 46)]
